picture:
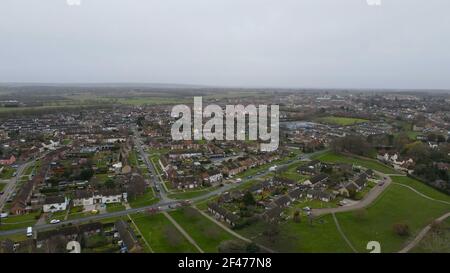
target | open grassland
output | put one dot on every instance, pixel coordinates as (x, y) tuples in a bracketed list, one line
[(343, 121), (206, 233), (397, 205), (19, 221), (147, 199), (320, 236), (161, 235)]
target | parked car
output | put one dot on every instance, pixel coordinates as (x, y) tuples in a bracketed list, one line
[(55, 221)]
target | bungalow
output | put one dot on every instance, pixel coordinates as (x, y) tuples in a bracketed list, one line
[(222, 214), (311, 168), (320, 178), (55, 203), (295, 194), (273, 215), (283, 201)]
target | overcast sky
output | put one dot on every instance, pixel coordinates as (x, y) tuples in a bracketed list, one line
[(284, 43)]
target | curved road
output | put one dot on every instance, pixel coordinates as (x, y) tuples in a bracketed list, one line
[(368, 199)]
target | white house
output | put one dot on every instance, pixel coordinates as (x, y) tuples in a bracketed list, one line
[(55, 203), (89, 198)]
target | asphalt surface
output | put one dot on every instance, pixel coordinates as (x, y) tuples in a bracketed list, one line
[(11, 186)]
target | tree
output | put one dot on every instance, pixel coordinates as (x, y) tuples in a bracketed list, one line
[(249, 199), (110, 183), (86, 174), (297, 216), (401, 229)]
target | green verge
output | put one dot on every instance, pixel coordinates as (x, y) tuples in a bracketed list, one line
[(161, 235), (206, 233)]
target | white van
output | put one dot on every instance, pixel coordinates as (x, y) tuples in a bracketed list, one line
[(29, 231)]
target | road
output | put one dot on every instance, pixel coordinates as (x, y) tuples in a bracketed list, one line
[(162, 205), (11, 186), (156, 180), (368, 199)]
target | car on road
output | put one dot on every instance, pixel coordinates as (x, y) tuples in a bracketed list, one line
[(55, 221), (381, 183), (2, 192), (29, 231), (307, 208)]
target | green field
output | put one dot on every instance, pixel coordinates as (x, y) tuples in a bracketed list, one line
[(206, 233), (343, 121), (114, 207), (436, 241), (331, 157), (191, 193), (291, 173), (161, 235), (19, 221), (7, 172), (147, 199), (396, 205), (321, 236), (421, 187), (2, 186)]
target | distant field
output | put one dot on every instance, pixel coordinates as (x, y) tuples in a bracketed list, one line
[(331, 157), (396, 205), (161, 235), (206, 233), (341, 120)]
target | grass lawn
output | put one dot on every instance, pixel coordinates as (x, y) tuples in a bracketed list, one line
[(206, 233), (161, 235), (114, 207), (2, 186), (147, 199), (133, 159), (291, 173), (322, 236), (396, 205), (191, 193), (341, 120), (19, 221), (7, 172), (421, 187), (436, 240), (331, 157)]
